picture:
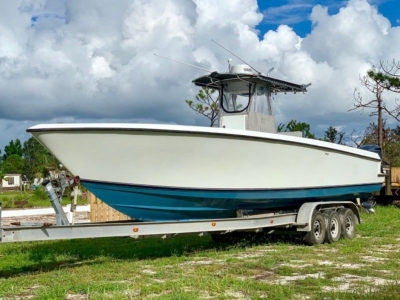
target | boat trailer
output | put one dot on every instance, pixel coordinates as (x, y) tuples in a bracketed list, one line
[(319, 222)]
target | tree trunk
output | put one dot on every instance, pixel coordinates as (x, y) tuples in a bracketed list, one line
[(380, 122)]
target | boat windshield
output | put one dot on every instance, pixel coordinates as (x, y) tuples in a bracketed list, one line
[(261, 102), (236, 96)]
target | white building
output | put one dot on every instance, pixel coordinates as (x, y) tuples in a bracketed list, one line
[(11, 182)]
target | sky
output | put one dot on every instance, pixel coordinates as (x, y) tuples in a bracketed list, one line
[(65, 61)]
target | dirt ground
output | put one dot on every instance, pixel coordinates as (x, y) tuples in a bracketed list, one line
[(79, 217)]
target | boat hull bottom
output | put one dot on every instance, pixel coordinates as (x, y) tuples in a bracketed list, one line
[(175, 204)]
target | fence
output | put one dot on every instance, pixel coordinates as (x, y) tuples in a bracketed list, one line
[(395, 175), (101, 212)]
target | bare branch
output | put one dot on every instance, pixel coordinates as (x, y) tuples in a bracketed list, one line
[(391, 71), (393, 113), (359, 102), (356, 138), (391, 68)]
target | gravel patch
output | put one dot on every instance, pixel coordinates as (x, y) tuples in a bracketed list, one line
[(288, 279), (350, 283), (79, 217)]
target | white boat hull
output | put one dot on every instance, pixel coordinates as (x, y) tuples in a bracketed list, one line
[(260, 170)]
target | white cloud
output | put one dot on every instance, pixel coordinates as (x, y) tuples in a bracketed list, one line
[(94, 60), (295, 11), (291, 13)]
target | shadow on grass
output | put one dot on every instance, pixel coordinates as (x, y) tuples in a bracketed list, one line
[(46, 256)]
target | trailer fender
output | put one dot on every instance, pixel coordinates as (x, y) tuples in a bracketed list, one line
[(307, 210)]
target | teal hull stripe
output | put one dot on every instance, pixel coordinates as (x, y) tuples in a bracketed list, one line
[(165, 204)]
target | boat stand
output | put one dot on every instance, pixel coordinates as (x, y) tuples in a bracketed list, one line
[(55, 195)]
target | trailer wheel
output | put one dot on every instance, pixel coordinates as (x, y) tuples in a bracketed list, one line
[(333, 226), (348, 221), (318, 230)]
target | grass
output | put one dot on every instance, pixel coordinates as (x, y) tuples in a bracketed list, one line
[(367, 267), (36, 198)]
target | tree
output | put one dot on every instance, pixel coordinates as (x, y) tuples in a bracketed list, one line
[(13, 164), (2, 176), (37, 160), (392, 148), (376, 81), (331, 134), (207, 105), (293, 125), (392, 70), (13, 148), (357, 137), (391, 141)]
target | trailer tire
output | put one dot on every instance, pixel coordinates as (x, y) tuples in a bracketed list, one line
[(318, 230), (348, 221), (333, 227)]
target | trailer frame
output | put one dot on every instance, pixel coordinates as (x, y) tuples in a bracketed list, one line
[(300, 220), (296, 220)]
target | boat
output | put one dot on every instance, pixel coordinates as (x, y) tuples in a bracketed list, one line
[(156, 172)]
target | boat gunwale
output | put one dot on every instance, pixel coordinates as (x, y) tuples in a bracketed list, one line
[(238, 134)]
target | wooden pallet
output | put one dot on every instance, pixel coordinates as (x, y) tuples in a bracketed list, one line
[(395, 175), (101, 212)]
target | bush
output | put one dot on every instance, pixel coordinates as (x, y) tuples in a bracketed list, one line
[(20, 197), (39, 194), (6, 202)]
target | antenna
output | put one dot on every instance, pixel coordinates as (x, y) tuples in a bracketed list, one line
[(259, 73), (269, 71), (183, 63)]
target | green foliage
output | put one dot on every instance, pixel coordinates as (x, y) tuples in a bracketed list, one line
[(36, 198), (37, 159), (294, 125), (39, 194), (13, 164), (331, 134), (207, 105), (185, 267), (387, 81), (14, 199), (7, 203), (13, 148), (32, 160), (391, 142), (2, 176)]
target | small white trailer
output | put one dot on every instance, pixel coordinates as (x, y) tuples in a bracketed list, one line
[(11, 182), (319, 222)]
